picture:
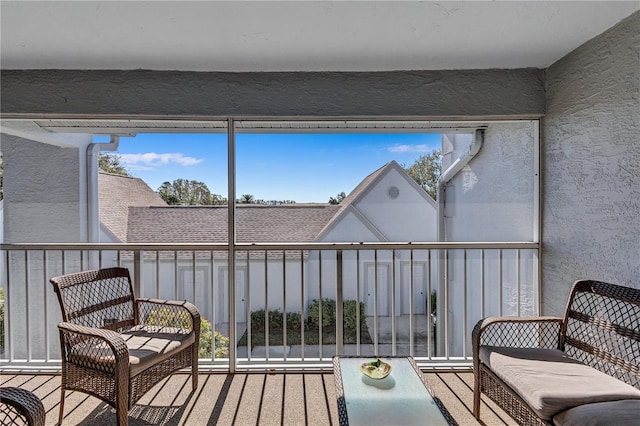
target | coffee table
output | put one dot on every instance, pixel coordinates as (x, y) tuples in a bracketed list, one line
[(402, 398)]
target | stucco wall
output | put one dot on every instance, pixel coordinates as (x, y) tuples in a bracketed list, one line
[(591, 165), (493, 197), (463, 93), (42, 194)]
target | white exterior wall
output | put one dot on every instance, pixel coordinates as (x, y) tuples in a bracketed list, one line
[(302, 286), (350, 228), (393, 209), (409, 217), (44, 201), (45, 197), (491, 199), (359, 280), (211, 290)]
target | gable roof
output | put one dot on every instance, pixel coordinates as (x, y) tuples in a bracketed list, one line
[(254, 223), (116, 193), (348, 204)]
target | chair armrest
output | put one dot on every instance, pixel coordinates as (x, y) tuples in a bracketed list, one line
[(516, 332), (23, 402), (96, 348), (169, 313)]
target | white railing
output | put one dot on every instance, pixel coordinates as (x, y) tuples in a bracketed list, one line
[(292, 306)]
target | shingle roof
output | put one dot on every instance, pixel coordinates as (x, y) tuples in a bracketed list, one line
[(136, 214), (116, 194), (254, 223)]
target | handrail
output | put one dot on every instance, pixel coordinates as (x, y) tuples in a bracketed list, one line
[(273, 246), (395, 279)]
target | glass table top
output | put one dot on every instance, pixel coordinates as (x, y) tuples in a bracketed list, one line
[(399, 399)]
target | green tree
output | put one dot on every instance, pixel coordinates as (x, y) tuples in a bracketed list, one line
[(171, 199), (247, 199), (273, 202), (188, 192), (338, 199), (110, 163), (426, 171), (219, 200)]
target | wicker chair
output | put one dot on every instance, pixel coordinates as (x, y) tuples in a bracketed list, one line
[(20, 407), (115, 346), (600, 329)]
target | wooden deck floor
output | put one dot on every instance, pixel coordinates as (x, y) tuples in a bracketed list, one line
[(243, 399)]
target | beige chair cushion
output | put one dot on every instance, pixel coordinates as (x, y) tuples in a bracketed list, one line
[(549, 381), (149, 345), (614, 413)]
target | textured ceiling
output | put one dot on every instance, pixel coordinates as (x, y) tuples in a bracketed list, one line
[(241, 36)]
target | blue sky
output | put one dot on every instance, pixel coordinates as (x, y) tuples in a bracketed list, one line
[(299, 167)]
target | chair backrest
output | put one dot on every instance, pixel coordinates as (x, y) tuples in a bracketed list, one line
[(101, 298), (602, 328)]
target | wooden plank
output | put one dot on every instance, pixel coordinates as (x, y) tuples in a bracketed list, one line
[(490, 413), (447, 394), (272, 401), (225, 399), (316, 400), (294, 403)]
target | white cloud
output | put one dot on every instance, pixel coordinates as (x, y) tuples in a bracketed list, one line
[(151, 160), (410, 148)]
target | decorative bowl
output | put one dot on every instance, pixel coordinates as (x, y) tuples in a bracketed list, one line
[(377, 369)]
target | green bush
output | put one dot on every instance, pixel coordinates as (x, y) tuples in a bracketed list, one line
[(257, 319), (350, 314), (206, 337), (294, 321), (296, 324), (328, 312), (275, 319), (168, 318)]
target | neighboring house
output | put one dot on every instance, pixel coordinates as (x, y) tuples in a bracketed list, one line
[(116, 193), (387, 206)]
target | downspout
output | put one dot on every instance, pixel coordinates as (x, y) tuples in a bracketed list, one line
[(93, 149), (442, 300), (448, 174)]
